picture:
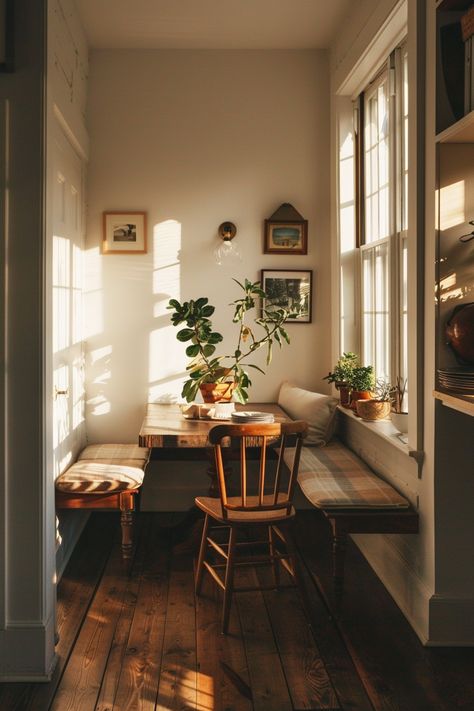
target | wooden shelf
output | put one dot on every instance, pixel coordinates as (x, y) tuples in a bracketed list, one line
[(461, 403), (460, 132)]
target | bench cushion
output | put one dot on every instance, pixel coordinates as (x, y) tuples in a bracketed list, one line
[(106, 476), (335, 477), (114, 451), (318, 410)]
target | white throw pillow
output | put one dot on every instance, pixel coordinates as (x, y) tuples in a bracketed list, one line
[(318, 410)]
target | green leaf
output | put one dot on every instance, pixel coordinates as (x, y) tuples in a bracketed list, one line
[(284, 334), (208, 310), (201, 302), (214, 337), (173, 304), (185, 334), (208, 350), (256, 367), (192, 351)]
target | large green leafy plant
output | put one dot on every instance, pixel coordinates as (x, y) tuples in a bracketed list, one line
[(206, 366)]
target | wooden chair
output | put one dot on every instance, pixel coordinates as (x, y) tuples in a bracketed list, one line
[(268, 504)]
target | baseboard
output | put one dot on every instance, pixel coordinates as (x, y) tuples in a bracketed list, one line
[(451, 622), (27, 652), (405, 586)]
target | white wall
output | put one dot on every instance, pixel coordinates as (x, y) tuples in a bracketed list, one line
[(195, 138)]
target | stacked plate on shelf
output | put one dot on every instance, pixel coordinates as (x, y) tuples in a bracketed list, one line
[(459, 379), (245, 416)]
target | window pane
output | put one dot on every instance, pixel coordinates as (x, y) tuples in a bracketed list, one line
[(375, 309), (376, 163)]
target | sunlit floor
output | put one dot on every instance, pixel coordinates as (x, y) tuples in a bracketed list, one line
[(140, 639)]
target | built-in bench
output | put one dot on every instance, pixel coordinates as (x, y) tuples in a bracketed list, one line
[(352, 497), (105, 477)]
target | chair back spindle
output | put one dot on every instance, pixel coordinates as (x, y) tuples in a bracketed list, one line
[(259, 437)]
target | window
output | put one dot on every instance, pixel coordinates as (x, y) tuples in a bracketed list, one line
[(382, 181)]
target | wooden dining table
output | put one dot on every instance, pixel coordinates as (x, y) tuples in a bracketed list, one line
[(166, 428), (165, 425)]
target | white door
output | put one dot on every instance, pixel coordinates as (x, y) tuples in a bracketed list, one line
[(67, 271)]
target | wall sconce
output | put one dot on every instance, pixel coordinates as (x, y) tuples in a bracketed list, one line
[(227, 254)]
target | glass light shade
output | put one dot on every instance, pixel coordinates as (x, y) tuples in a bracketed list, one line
[(227, 253)]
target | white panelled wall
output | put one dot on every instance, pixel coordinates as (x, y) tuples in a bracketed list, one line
[(195, 138)]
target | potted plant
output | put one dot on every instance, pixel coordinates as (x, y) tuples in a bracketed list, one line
[(362, 383), (219, 377), (378, 407), (398, 415), (341, 375)]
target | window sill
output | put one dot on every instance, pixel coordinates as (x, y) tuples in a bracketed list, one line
[(386, 431)]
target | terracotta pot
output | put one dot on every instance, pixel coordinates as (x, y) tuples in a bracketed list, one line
[(344, 394), (359, 395), (217, 392), (372, 410)]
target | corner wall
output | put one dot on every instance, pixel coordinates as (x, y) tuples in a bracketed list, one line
[(195, 138)]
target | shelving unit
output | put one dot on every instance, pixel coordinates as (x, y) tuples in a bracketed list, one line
[(455, 183)]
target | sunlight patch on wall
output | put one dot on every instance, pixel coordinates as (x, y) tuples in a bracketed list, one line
[(61, 278), (346, 195), (167, 361), (93, 298), (98, 406), (452, 205)]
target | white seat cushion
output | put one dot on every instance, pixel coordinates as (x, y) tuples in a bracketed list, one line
[(92, 477), (114, 451)]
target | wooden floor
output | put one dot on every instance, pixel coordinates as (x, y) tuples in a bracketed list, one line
[(139, 639)]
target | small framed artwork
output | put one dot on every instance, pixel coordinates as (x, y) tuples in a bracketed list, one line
[(286, 232), (124, 233), (290, 289)]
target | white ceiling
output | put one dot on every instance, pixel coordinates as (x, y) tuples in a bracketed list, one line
[(211, 24)]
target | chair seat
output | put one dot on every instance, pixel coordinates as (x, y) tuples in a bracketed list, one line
[(106, 476), (114, 451), (213, 507)]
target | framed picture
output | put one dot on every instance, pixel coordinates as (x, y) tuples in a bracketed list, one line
[(124, 233), (289, 288), (286, 232)]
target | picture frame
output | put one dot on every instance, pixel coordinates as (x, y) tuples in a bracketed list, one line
[(286, 232), (124, 232), (287, 288)]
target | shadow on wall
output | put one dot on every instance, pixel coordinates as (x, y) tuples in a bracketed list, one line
[(131, 356)]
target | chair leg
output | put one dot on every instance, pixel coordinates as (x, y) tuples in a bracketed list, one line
[(275, 564), (229, 580), (202, 553)]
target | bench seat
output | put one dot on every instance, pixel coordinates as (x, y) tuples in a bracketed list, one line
[(105, 476), (352, 497)]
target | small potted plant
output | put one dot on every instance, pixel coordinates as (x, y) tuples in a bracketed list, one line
[(341, 376), (219, 377), (362, 384), (378, 407), (398, 415)]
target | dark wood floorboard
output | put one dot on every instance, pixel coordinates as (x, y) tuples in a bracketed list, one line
[(137, 638)]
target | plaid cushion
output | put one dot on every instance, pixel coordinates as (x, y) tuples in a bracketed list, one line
[(114, 451), (335, 477), (88, 477)]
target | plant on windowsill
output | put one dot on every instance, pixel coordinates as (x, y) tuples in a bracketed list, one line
[(377, 407), (341, 375), (398, 415), (219, 377), (362, 383)]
